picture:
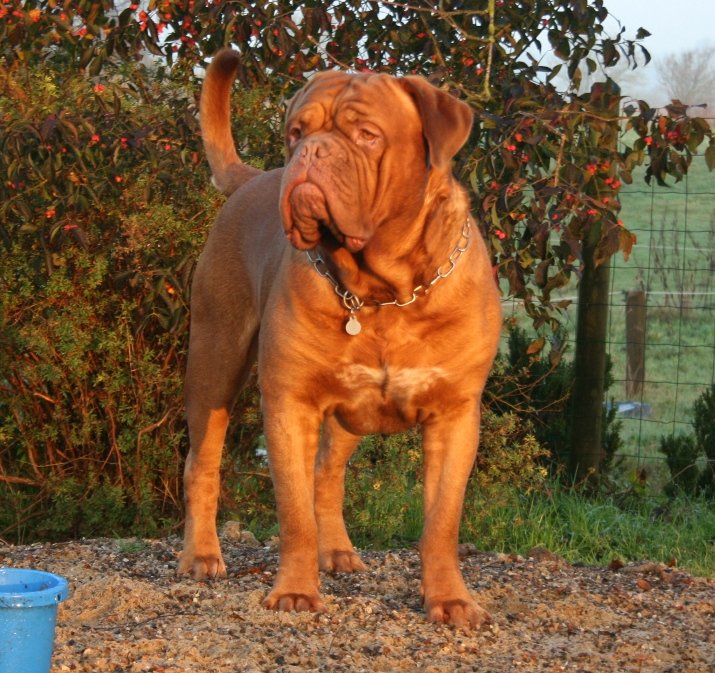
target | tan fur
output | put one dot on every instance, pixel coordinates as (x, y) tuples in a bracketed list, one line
[(368, 184)]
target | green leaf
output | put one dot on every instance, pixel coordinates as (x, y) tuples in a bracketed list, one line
[(710, 156), (96, 64), (86, 56)]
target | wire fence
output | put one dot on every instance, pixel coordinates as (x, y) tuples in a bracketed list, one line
[(661, 333)]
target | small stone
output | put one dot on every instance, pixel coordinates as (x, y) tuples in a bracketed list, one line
[(466, 549), (231, 530), (542, 554), (249, 539)]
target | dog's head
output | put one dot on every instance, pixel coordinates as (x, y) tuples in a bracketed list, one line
[(360, 151)]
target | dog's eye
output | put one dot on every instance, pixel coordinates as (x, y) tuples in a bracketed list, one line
[(367, 136)]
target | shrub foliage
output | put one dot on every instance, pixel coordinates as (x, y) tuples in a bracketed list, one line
[(104, 202), (684, 454), (102, 213)]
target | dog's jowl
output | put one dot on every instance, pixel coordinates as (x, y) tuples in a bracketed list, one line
[(358, 281)]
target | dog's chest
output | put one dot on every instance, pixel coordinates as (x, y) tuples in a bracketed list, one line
[(386, 398)]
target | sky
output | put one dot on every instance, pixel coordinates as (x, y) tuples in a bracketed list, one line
[(675, 26)]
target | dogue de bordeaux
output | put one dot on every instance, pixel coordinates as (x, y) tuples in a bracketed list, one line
[(358, 280)]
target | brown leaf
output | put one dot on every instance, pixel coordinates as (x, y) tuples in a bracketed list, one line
[(627, 241), (536, 346), (615, 565), (643, 585)]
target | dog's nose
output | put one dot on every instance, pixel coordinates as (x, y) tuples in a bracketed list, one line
[(315, 148)]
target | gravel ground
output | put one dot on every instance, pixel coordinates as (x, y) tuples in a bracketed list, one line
[(128, 612)]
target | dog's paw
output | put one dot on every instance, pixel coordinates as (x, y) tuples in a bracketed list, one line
[(339, 561), (201, 566), (294, 602), (462, 613)]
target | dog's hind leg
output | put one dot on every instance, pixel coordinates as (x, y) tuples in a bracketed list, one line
[(335, 551), (220, 362)]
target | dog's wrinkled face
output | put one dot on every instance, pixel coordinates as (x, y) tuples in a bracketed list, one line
[(357, 159)]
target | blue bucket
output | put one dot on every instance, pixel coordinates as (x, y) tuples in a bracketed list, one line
[(28, 612)]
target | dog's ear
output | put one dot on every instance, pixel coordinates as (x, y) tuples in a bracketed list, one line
[(446, 120)]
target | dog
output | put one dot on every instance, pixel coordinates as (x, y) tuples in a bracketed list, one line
[(358, 280)]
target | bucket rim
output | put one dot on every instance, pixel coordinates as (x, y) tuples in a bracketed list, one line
[(29, 588)]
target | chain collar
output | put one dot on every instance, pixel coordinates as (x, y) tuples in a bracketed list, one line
[(353, 303)]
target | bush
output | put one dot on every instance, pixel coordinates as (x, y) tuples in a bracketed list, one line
[(102, 213), (704, 423), (105, 202), (384, 481), (383, 491), (683, 453), (510, 454), (536, 387)]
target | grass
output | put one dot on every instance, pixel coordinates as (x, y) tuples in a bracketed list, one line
[(583, 529), (131, 546), (595, 530), (383, 509)]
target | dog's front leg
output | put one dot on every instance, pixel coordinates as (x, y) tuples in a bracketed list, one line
[(450, 448), (292, 438)]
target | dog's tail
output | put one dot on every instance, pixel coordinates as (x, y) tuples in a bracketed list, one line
[(229, 173)]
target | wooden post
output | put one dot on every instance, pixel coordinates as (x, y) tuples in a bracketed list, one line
[(635, 343)]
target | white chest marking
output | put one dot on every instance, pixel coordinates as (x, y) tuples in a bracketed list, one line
[(393, 381)]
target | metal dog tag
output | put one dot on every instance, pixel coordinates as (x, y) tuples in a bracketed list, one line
[(353, 326)]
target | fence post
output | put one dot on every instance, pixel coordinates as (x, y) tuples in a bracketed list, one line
[(587, 410), (635, 342)]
